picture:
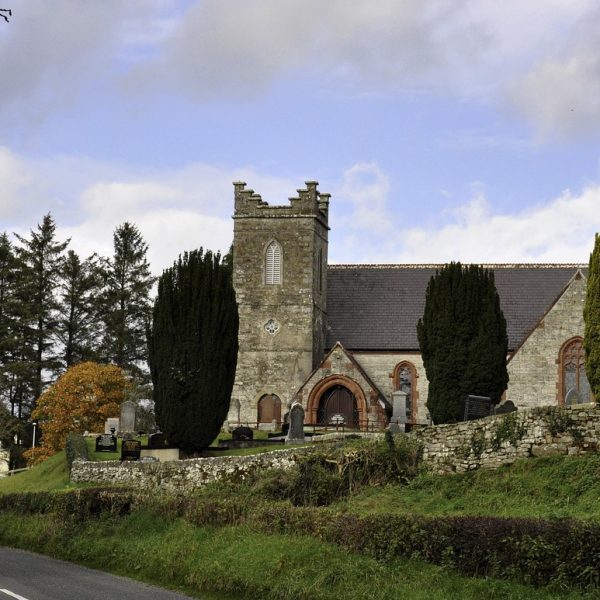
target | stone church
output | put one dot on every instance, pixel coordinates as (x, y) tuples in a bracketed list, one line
[(342, 338)]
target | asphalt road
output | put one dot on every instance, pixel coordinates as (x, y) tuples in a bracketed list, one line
[(28, 576)]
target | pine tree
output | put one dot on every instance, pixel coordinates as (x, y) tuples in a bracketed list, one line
[(463, 340), (10, 329), (41, 258), (193, 349), (591, 316), (78, 323), (125, 304)]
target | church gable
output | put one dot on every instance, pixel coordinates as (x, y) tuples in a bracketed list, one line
[(340, 390), (535, 370)]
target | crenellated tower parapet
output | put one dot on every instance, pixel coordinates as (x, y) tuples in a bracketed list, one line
[(308, 203)]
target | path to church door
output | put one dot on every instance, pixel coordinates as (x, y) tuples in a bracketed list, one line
[(338, 400)]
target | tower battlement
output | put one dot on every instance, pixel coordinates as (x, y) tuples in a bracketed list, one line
[(308, 203)]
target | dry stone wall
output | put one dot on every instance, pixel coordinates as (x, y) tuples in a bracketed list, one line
[(181, 475), (482, 444), (500, 440)]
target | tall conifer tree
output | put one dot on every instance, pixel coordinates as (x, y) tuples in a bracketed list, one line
[(78, 322), (591, 315), (193, 348), (463, 340), (41, 259), (126, 306)]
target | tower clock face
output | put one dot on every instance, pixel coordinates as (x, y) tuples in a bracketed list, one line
[(272, 326)]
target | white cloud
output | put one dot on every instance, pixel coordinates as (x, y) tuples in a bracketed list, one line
[(175, 210), (559, 230)]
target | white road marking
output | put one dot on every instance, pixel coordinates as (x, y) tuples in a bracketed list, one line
[(13, 595)]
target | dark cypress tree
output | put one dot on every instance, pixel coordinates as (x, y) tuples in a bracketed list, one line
[(78, 322), (41, 259), (125, 304), (591, 315), (193, 349), (463, 340)]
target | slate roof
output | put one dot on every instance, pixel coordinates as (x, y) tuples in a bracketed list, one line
[(376, 307)]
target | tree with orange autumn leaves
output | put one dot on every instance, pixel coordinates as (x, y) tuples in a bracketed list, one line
[(80, 400)]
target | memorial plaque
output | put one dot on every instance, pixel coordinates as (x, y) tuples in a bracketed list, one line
[(131, 449), (242, 433), (477, 407), (106, 443)]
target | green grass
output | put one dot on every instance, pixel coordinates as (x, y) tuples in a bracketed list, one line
[(52, 474), (543, 487), (238, 562)]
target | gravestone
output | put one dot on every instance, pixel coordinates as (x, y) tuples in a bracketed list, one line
[(127, 416), (399, 409), (106, 443), (131, 449), (111, 424), (241, 434), (505, 407), (156, 440), (477, 407), (295, 433)]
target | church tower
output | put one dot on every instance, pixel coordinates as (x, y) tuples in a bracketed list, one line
[(280, 281)]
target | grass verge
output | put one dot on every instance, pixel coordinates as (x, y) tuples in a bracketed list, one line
[(236, 562)]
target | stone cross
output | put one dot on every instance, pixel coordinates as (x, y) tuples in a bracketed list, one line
[(296, 419)]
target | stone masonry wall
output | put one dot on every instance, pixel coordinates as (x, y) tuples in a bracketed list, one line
[(277, 362), (534, 370), (380, 368), (500, 440), (180, 475), (485, 443)]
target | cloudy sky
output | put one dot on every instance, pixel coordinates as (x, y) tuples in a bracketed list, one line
[(444, 129)]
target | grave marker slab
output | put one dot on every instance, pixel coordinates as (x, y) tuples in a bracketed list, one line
[(106, 443), (477, 407), (127, 416), (295, 433), (131, 449)]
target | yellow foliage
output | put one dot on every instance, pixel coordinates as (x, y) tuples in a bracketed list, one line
[(36, 455), (80, 400)]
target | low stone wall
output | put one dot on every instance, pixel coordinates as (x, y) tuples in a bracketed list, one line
[(180, 475), (500, 440), (486, 443)]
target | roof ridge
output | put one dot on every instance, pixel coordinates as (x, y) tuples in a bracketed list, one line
[(438, 265)]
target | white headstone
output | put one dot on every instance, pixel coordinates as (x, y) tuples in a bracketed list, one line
[(111, 423), (127, 416)]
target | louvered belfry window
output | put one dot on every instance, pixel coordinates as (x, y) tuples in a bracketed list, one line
[(273, 264)]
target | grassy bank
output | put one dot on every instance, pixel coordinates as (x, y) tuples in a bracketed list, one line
[(239, 562), (50, 475), (557, 487)]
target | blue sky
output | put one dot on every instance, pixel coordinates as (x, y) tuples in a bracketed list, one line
[(444, 129)]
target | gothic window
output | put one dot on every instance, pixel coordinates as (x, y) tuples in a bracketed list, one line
[(574, 383), (273, 264), (405, 380)]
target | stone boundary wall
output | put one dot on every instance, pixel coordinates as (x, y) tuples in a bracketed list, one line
[(180, 475), (485, 443), (500, 440)]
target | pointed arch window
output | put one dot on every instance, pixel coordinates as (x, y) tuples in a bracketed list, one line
[(575, 388), (405, 380), (273, 264)]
